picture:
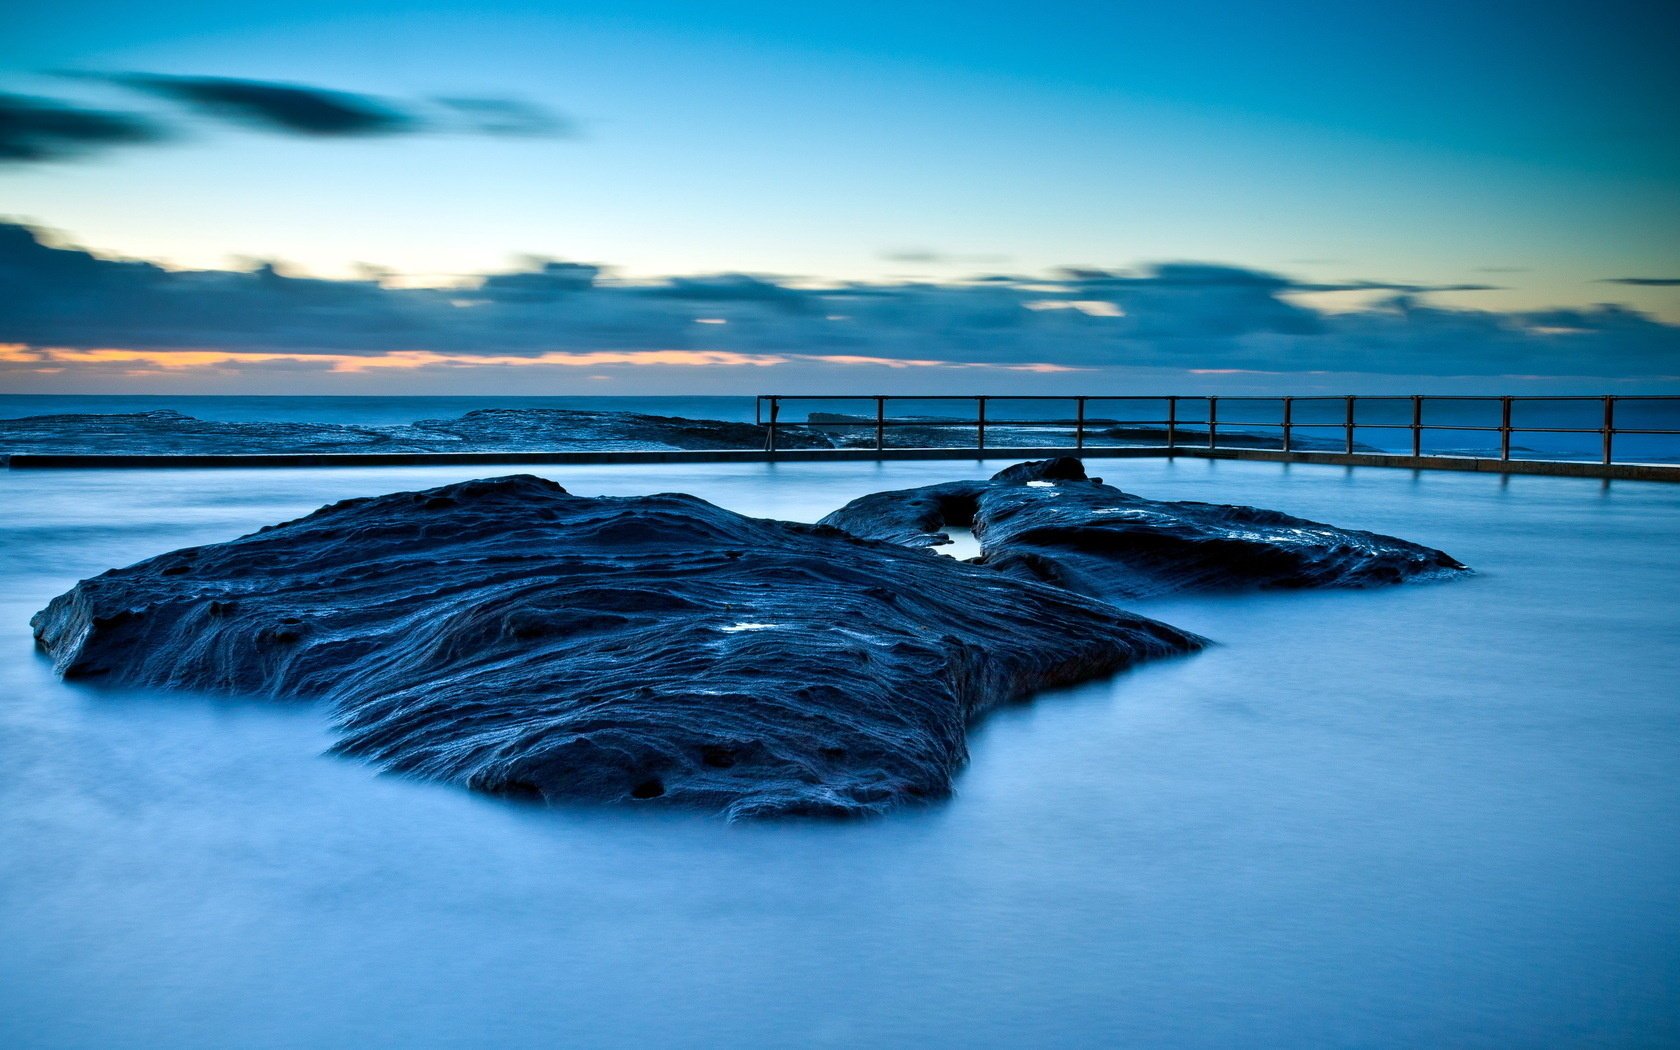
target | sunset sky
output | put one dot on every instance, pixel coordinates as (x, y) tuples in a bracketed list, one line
[(728, 197)]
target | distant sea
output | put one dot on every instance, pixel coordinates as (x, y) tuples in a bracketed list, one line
[(357, 411), (1319, 421)]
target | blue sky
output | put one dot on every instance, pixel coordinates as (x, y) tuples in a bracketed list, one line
[(1529, 147)]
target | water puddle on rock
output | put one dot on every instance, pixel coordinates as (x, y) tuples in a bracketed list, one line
[(963, 545)]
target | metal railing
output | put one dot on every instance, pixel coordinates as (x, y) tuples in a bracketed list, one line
[(1191, 423)]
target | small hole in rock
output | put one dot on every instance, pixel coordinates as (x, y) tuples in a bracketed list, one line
[(717, 757)]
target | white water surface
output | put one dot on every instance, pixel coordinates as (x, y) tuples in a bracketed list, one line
[(1441, 814)]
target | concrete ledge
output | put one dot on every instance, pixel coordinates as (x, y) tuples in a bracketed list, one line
[(1618, 471), (38, 461), (1552, 468)]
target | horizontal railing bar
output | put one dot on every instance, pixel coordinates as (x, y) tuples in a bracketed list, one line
[(1223, 397), (963, 424)]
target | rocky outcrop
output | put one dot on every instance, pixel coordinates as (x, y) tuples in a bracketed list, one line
[(510, 637), (1047, 521), (497, 429), (166, 432)]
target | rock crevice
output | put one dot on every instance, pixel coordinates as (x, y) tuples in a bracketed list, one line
[(1047, 521)]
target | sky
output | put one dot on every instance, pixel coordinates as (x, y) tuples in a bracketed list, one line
[(650, 197)]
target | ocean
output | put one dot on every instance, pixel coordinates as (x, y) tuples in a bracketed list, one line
[(1454, 426), (1438, 814), (357, 411)]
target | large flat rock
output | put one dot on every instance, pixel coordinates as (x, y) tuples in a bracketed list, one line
[(505, 635), (1047, 521)]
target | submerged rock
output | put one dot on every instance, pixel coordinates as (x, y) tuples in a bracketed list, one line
[(505, 635), (1047, 521)]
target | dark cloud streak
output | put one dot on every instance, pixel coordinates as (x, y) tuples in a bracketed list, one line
[(37, 129), (288, 108)]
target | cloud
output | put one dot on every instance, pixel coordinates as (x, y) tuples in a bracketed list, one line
[(502, 116), (1176, 317), (1650, 282), (929, 257), (731, 288), (289, 108), (37, 129)]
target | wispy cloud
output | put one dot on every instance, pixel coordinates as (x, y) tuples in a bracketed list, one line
[(1648, 282), (504, 116), (930, 257), (291, 108), (37, 129)]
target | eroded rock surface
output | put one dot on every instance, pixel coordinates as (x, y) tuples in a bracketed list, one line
[(1047, 521), (508, 636)]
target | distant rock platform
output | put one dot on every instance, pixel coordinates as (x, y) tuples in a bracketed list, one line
[(168, 432), (1047, 521), (510, 637)]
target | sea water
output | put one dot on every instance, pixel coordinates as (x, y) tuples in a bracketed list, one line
[(1437, 814), (1569, 427)]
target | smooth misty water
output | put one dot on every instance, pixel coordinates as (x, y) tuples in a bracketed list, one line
[(1432, 815)]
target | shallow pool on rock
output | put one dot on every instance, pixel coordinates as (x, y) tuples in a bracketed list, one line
[(1411, 816)]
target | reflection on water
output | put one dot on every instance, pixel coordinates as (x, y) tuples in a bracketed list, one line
[(963, 545), (1439, 814)]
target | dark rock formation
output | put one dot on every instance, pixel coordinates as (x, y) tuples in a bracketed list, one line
[(166, 431), (498, 429), (508, 636), (1047, 521)]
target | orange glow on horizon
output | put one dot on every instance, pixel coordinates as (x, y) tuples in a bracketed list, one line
[(401, 359), (54, 358)]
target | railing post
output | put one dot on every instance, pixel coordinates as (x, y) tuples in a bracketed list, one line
[(1172, 423), (1417, 426), (880, 423), (980, 424), (1213, 420), (1350, 424), (770, 439), (1288, 422), (1079, 426), (1504, 428), (1609, 427)]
